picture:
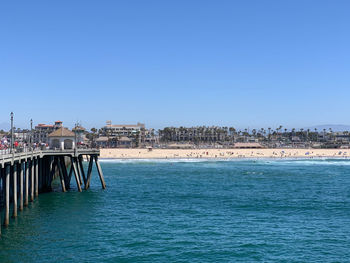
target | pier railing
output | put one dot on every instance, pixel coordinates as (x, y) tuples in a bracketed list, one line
[(20, 152)]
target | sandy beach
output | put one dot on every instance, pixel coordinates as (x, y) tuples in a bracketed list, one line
[(221, 153)]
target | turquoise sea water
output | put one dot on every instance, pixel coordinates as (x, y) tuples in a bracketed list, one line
[(192, 211)]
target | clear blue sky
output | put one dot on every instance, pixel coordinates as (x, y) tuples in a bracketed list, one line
[(235, 63)]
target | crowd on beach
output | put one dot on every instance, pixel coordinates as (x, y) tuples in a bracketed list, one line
[(221, 153)]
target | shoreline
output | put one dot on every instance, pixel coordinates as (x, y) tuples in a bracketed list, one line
[(195, 160), (223, 154)]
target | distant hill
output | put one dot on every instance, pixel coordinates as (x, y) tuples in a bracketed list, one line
[(334, 127)]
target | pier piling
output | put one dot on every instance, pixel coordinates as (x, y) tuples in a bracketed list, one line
[(26, 164), (14, 176), (32, 180), (99, 170), (88, 177), (7, 197), (20, 166), (24, 175), (36, 163), (81, 167), (60, 172), (2, 187), (75, 171), (76, 164)]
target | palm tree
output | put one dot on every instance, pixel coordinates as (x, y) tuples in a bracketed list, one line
[(316, 134), (93, 136), (254, 132), (279, 129), (302, 133), (108, 135), (232, 133), (331, 132)]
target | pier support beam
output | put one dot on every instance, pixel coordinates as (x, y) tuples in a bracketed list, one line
[(41, 174), (36, 177), (2, 190), (78, 170), (88, 176), (76, 173), (100, 174), (32, 180), (81, 167), (60, 172), (15, 193), (51, 172), (20, 166), (64, 170), (26, 165), (99, 170), (70, 172), (7, 196)]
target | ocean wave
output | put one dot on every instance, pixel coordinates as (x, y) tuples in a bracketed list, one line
[(337, 162), (268, 161), (156, 160)]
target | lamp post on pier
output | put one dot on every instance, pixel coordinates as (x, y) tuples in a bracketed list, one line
[(75, 138), (31, 134), (11, 132)]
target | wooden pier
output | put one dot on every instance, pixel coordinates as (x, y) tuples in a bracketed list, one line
[(23, 176)]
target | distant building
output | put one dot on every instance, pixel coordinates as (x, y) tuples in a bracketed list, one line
[(41, 131), (21, 135), (114, 142), (121, 135), (150, 138), (201, 134), (62, 138), (102, 142), (342, 137), (124, 142), (118, 130)]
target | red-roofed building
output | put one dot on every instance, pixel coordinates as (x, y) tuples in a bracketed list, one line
[(41, 131)]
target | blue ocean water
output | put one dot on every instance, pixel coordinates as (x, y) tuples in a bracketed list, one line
[(192, 211)]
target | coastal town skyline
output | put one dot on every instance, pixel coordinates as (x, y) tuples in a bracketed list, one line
[(70, 124), (138, 135)]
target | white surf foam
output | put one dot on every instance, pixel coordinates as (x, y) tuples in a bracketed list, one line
[(278, 161)]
